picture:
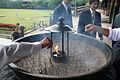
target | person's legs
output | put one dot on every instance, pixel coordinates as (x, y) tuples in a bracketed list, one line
[(116, 49)]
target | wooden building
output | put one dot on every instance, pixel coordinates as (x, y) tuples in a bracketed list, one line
[(113, 8)]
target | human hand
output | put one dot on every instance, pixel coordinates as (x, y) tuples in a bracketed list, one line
[(101, 38), (46, 42), (91, 27)]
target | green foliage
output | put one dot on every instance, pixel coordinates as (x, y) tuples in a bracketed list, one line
[(53, 3), (81, 2), (3, 3), (36, 4)]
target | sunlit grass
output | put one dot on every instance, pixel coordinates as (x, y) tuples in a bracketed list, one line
[(26, 17)]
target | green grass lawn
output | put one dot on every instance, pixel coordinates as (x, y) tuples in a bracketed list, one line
[(24, 16)]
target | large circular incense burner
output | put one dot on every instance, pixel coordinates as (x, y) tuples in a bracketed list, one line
[(87, 59)]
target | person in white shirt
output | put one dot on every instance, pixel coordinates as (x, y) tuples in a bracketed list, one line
[(15, 51), (114, 35)]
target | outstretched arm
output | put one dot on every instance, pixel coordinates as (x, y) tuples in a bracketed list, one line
[(16, 51), (103, 31), (112, 34)]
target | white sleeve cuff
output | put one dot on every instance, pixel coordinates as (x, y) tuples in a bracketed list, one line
[(110, 33)]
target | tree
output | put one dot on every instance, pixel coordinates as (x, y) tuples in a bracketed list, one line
[(46, 4), (81, 2), (4, 3), (53, 3)]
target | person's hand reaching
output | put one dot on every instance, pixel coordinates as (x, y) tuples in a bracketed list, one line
[(91, 27)]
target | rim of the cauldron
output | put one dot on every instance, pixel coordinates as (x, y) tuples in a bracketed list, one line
[(109, 62), (56, 29)]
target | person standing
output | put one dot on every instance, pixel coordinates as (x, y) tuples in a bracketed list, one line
[(116, 45), (21, 29), (116, 24), (90, 16), (63, 10), (112, 34), (15, 35)]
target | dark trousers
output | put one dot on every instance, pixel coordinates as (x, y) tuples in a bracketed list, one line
[(116, 49)]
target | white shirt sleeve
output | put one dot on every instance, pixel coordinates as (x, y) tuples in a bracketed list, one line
[(114, 34), (13, 52)]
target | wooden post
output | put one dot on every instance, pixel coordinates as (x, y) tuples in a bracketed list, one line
[(34, 25), (76, 8), (111, 10), (108, 8), (115, 10)]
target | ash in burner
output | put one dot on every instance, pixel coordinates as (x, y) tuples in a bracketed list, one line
[(59, 57), (81, 60)]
